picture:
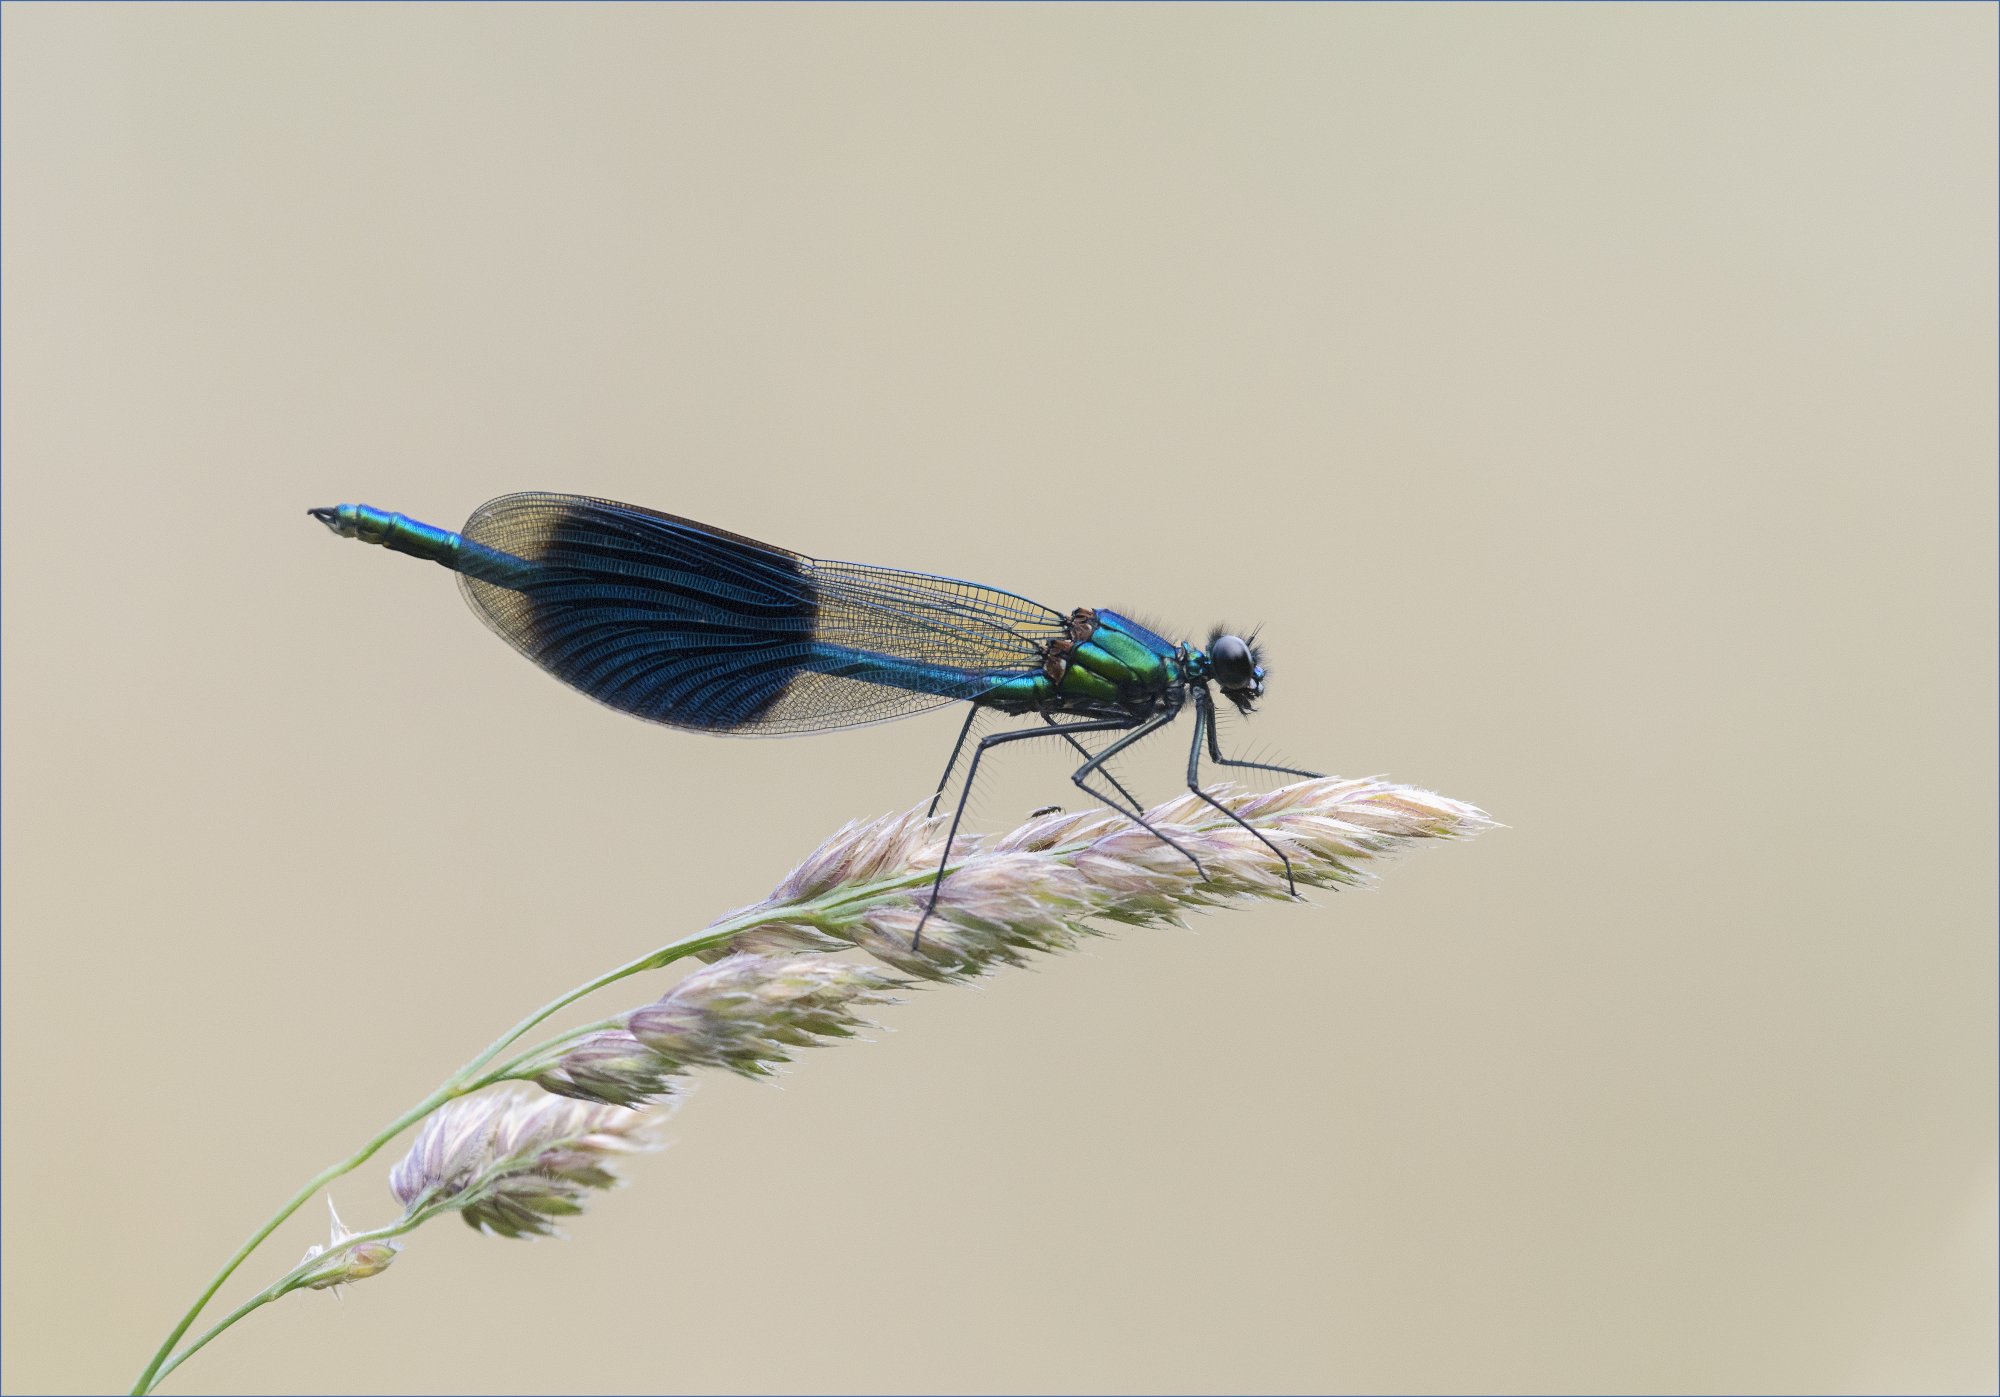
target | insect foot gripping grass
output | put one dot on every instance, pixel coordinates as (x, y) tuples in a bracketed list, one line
[(523, 1136)]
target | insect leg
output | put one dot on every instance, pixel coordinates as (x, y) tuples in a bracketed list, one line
[(971, 716), (1084, 751), (1082, 778), (1204, 721), (972, 774), (1215, 751)]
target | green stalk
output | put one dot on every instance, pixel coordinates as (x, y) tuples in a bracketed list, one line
[(285, 1285)]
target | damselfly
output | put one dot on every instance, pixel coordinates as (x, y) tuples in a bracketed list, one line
[(683, 624)]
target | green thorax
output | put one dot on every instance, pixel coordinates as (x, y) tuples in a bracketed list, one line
[(1103, 662), (1108, 659)]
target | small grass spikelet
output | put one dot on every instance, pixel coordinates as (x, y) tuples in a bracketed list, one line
[(510, 1163), (341, 1262), (746, 1013)]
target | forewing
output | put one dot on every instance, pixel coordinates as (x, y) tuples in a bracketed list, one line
[(680, 623)]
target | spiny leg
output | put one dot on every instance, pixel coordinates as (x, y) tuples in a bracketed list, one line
[(965, 729), (1131, 809), (971, 717), (1081, 777), (1215, 749), (972, 774), (1204, 720), (1130, 799)]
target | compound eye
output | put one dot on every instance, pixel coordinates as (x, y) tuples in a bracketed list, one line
[(1234, 668)]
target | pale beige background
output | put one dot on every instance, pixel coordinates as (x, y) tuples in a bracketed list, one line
[(1595, 405)]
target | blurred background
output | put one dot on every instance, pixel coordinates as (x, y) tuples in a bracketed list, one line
[(1595, 406)]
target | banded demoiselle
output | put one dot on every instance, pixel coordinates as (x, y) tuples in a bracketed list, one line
[(698, 628)]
